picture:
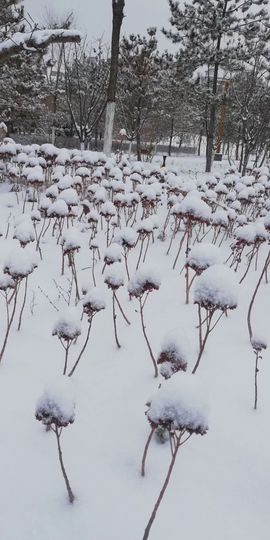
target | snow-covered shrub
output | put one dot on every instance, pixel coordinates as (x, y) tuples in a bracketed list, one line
[(56, 409), (173, 356), (114, 278), (25, 233), (71, 244), (203, 255), (67, 328), (216, 289), (144, 281), (180, 407)]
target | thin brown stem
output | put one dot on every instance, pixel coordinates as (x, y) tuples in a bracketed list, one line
[(149, 438), (60, 456), (146, 339)]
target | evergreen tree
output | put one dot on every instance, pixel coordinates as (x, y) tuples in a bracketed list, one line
[(213, 34), (138, 83)]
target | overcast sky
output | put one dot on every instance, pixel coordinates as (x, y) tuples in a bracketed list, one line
[(94, 16)]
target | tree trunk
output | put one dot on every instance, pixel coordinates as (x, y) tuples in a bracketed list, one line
[(138, 142), (118, 14), (171, 138), (211, 133), (246, 158), (200, 142)]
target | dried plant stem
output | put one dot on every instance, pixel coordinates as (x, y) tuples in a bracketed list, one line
[(58, 432), (177, 441), (140, 254), (179, 250), (264, 270), (114, 322), (121, 310), (146, 450), (23, 304), (146, 338), (256, 380), (83, 347), (204, 340), (10, 321)]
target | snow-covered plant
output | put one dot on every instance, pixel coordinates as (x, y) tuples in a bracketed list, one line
[(108, 211), (112, 255), (145, 230), (93, 302), (18, 265), (194, 212), (94, 248), (59, 211), (67, 328), (127, 238), (56, 409), (251, 235), (70, 245), (143, 282), (215, 290), (173, 356), (201, 257), (180, 407), (93, 218), (114, 279), (24, 232)]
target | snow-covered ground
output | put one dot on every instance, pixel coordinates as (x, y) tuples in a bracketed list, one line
[(220, 486)]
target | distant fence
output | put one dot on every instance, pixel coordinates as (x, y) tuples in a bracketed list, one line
[(73, 142)]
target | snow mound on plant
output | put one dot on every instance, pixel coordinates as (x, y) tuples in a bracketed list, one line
[(19, 263), (218, 287), (194, 207), (203, 255), (57, 404), (144, 279), (68, 324), (114, 276), (95, 299), (180, 404)]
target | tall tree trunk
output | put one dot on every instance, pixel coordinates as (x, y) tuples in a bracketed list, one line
[(264, 156), (241, 156), (212, 123), (246, 158), (138, 143), (118, 14), (213, 107), (200, 142), (171, 138)]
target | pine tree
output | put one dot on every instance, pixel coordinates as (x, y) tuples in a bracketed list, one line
[(213, 34), (138, 83)]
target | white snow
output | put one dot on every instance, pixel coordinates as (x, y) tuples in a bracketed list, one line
[(114, 276), (203, 255), (145, 279), (56, 405), (68, 325), (180, 404), (217, 287)]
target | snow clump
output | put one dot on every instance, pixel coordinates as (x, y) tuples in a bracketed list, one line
[(56, 405), (180, 404), (217, 288)]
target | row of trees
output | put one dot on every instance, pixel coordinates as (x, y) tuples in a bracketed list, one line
[(216, 88)]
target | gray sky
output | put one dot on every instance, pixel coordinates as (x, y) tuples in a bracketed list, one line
[(94, 16)]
